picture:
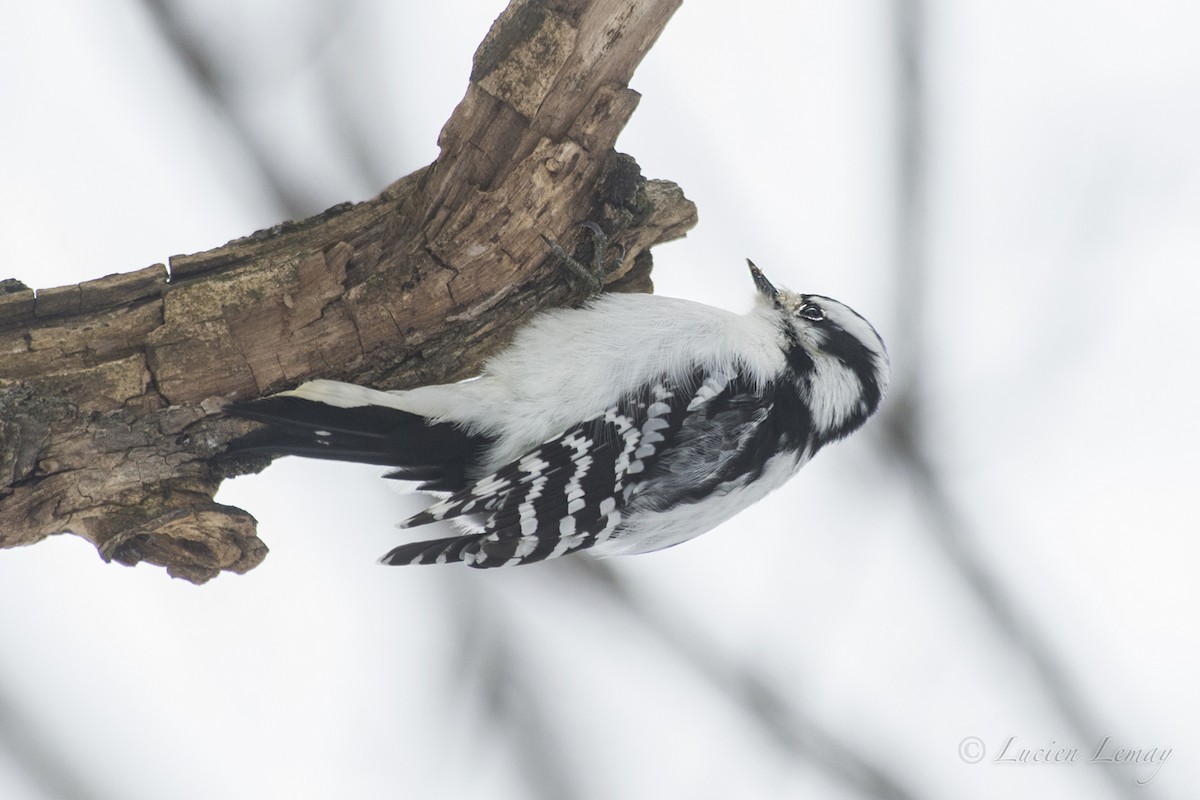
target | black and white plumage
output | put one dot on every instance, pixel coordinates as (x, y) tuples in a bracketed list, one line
[(627, 426)]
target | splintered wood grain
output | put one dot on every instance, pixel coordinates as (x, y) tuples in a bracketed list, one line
[(111, 390)]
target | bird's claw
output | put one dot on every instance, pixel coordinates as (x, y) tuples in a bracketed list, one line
[(588, 279)]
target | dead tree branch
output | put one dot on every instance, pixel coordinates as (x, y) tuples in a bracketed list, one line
[(110, 390)]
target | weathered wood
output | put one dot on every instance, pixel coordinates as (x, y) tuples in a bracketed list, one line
[(16, 302), (111, 390)]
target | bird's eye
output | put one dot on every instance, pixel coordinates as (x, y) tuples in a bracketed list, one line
[(811, 312)]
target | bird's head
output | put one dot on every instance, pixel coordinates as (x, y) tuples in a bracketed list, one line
[(837, 356)]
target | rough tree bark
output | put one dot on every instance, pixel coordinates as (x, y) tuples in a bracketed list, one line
[(111, 390)]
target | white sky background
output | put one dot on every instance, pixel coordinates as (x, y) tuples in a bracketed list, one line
[(1058, 364)]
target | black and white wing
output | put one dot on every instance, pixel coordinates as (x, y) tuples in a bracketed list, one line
[(559, 497), (574, 491), (727, 442)]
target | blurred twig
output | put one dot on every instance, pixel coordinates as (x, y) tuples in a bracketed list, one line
[(909, 441), (346, 119), (749, 690), (55, 777), (488, 658), (200, 64)]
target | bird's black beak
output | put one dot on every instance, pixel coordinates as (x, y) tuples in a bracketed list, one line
[(764, 286)]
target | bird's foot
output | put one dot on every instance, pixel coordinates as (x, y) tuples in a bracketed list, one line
[(588, 279)]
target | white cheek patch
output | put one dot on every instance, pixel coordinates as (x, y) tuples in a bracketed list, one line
[(841, 393)]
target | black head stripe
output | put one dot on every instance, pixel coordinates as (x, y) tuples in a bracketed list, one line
[(859, 358)]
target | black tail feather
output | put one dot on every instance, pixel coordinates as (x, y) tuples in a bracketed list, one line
[(440, 454)]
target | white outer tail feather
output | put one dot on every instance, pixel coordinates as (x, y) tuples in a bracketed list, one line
[(346, 395)]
